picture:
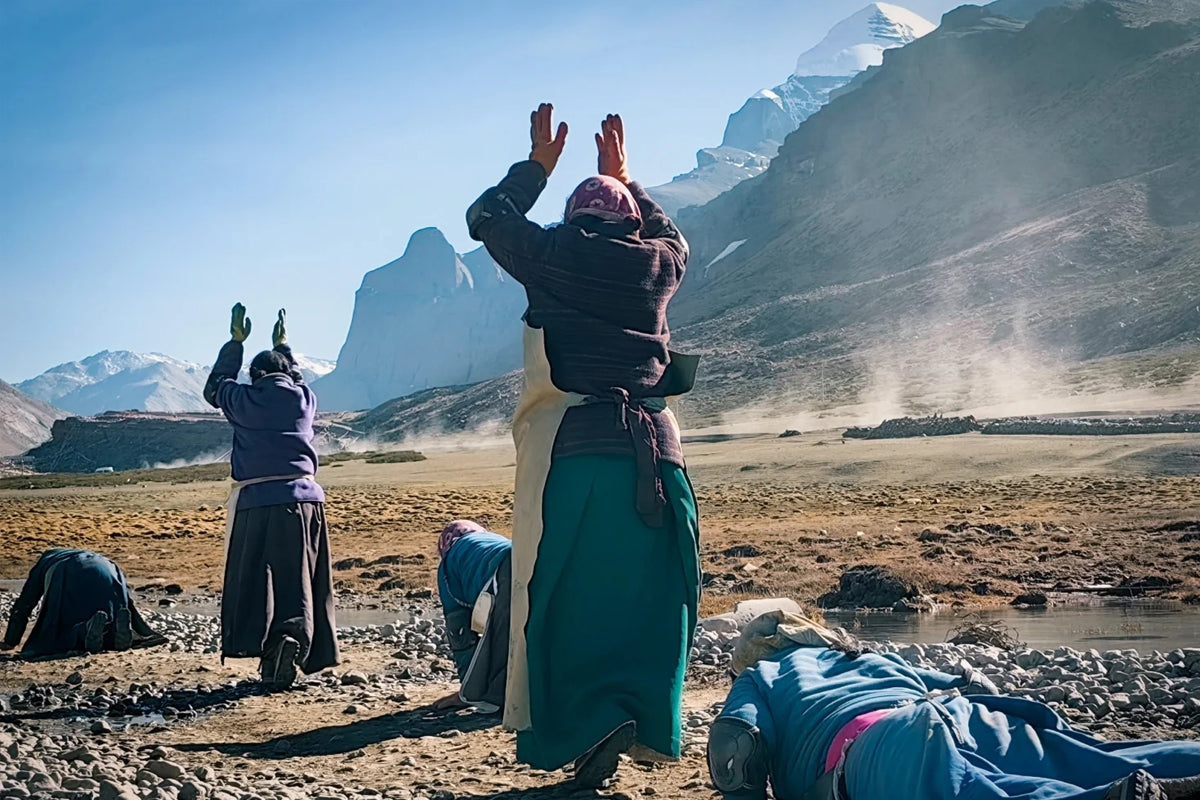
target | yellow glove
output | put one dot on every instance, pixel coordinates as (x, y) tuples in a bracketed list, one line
[(279, 334), (239, 325)]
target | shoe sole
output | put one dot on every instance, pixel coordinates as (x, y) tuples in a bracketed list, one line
[(93, 634), (1141, 786), (122, 630), (600, 765), (285, 664)]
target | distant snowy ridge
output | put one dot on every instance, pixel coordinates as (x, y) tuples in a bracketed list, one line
[(125, 381), (755, 132)]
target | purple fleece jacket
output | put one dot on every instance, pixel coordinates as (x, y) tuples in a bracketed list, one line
[(272, 422)]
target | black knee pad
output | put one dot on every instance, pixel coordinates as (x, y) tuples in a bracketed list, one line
[(737, 759), (459, 635)]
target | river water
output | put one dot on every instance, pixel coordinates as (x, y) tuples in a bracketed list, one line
[(1142, 625)]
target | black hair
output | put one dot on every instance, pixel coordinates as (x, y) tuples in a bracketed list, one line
[(270, 362)]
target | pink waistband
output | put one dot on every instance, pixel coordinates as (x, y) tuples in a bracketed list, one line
[(851, 731)]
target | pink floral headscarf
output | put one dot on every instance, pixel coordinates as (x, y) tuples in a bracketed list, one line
[(603, 197), (455, 531)]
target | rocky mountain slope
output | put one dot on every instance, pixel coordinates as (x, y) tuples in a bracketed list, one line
[(999, 202), (122, 380), (24, 421), (430, 318), (754, 132), (132, 440), (140, 440), (1003, 214)]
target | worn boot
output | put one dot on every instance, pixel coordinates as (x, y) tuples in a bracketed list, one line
[(1141, 785), (93, 632), (598, 766), (278, 665), (122, 630)]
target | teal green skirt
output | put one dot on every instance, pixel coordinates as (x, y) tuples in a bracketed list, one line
[(612, 611)]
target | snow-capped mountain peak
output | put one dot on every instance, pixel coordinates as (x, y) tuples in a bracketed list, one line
[(755, 132), (858, 42), (767, 94), (313, 368), (121, 380)]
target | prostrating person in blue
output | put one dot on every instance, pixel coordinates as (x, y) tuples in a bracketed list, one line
[(817, 719), (86, 606), (474, 583)]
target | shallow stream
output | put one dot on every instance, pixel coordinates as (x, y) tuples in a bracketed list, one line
[(1143, 625)]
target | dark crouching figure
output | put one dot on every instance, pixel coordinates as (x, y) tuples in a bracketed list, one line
[(475, 587), (818, 720), (86, 605), (277, 603)]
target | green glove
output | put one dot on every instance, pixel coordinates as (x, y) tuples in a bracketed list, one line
[(279, 335), (239, 325)]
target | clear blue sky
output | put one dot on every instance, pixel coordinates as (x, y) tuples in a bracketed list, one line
[(161, 160)]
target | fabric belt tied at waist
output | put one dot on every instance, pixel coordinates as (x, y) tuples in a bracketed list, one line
[(637, 417), (851, 731), (236, 490)]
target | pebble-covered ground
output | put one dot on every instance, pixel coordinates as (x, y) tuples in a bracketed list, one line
[(65, 738)]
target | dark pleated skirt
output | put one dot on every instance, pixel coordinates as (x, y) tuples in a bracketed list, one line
[(279, 581), (612, 611)]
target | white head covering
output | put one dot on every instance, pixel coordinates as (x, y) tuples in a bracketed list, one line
[(768, 634)]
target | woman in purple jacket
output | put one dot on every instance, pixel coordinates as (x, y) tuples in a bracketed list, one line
[(277, 603)]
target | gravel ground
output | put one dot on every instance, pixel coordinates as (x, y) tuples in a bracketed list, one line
[(1116, 694)]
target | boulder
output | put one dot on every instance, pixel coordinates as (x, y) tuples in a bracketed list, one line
[(870, 586)]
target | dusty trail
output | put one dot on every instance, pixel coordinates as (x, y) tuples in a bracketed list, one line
[(1075, 510), (779, 516)]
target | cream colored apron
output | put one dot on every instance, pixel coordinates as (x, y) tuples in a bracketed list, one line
[(236, 490), (535, 425)]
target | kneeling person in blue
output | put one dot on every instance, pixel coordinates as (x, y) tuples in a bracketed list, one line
[(819, 720), (474, 583), (277, 599), (86, 605)]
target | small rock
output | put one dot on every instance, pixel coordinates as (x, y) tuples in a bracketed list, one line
[(165, 769), (100, 726), (354, 679), (1034, 599), (110, 790), (81, 754), (75, 678), (81, 785)]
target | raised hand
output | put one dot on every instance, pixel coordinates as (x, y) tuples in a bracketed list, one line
[(610, 144), (279, 334), (239, 324), (546, 148)]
